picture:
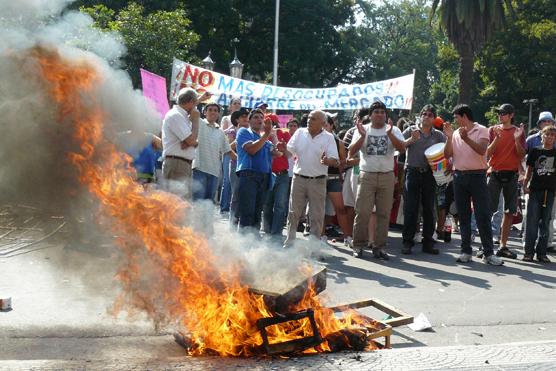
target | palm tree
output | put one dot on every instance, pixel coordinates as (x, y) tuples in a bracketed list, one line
[(469, 24)]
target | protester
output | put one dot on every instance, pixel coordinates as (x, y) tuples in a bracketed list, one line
[(254, 167), (540, 183), (334, 184), (212, 145), (505, 152), (180, 128), (534, 140), (276, 205), (376, 142), (315, 150), (226, 191), (419, 184), (239, 119), (467, 147), (262, 106)]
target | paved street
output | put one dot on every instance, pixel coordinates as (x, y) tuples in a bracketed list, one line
[(61, 299)]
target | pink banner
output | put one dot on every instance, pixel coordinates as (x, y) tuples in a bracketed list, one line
[(284, 119), (154, 88)]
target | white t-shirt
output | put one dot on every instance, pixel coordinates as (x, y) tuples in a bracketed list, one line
[(226, 122), (308, 151), (377, 151), (176, 127), (213, 144)]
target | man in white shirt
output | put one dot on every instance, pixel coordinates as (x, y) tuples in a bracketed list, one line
[(315, 149), (180, 128), (376, 143), (212, 145)]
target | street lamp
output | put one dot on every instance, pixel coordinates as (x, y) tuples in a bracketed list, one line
[(236, 67), (208, 63), (530, 102)]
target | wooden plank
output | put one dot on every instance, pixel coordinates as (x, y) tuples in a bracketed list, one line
[(400, 317)]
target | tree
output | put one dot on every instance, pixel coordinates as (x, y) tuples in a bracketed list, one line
[(152, 40), (469, 25)]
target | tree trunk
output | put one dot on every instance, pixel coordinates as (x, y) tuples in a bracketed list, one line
[(465, 75)]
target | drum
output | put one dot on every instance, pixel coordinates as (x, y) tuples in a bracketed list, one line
[(438, 163)]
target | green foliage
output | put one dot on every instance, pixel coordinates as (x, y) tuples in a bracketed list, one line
[(152, 39)]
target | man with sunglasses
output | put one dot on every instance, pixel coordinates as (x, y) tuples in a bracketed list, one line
[(505, 152), (419, 185)]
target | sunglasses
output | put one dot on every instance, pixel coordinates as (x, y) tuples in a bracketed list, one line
[(503, 113)]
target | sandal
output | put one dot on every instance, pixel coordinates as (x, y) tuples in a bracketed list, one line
[(504, 252), (527, 258), (543, 259)]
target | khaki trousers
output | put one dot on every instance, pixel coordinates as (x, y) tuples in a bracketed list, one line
[(177, 177), (303, 190), (375, 189)]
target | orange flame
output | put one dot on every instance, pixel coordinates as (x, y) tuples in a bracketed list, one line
[(214, 307)]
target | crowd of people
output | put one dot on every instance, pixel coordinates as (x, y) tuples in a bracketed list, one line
[(308, 178)]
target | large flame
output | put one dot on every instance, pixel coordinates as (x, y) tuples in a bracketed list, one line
[(214, 307)]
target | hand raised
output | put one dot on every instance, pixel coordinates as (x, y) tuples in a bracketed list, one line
[(519, 131), (194, 114), (389, 127), (267, 127), (361, 129), (463, 133), (447, 129), (415, 134)]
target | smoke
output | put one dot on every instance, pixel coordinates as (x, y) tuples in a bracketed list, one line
[(34, 167)]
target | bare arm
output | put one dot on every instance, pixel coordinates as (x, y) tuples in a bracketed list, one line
[(528, 175), (191, 140), (449, 132)]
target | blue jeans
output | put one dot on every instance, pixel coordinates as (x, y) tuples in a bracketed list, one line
[(234, 202), (204, 185), (467, 187), (253, 187), (275, 209), (419, 188), (226, 194), (538, 218)]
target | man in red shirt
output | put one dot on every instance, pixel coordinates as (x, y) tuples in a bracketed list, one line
[(275, 210), (505, 152)]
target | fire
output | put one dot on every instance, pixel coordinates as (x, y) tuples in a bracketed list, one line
[(217, 311)]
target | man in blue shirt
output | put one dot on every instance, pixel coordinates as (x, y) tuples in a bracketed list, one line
[(254, 168)]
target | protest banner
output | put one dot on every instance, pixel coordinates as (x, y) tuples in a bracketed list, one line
[(154, 88), (396, 93)]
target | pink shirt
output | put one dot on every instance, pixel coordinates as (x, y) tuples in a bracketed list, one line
[(465, 158)]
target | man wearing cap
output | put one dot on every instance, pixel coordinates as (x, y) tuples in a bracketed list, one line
[(254, 166), (276, 205), (180, 128), (505, 152), (212, 145), (376, 141), (262, 106), (315, 149), (533, 141), (420, 185), (467, 146)]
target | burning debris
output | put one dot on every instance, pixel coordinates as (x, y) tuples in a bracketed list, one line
[(170, 272)]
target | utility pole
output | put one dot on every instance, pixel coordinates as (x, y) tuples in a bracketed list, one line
[(530, 102)]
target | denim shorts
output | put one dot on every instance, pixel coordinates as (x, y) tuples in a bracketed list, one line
[(508, 187), (333, 185)]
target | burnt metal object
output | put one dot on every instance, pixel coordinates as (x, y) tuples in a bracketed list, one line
[(280, 299), (290, 346)]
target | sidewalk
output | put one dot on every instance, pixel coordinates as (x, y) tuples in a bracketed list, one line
[(514, 356)]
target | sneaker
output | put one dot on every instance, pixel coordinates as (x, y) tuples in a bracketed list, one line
[(358, 253), (428, 247), (464, 258), (504, 252), (493, 260), (348, 241), (307, 230), (380, 254), (543, 259), (406, 248), (527, 258)]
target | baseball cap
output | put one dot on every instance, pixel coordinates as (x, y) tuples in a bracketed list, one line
[(261, 104), (545, 116), (505, 108)]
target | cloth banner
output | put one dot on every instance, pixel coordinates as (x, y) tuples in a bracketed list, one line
[(284, 119), (154, 88), (396, 93)]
